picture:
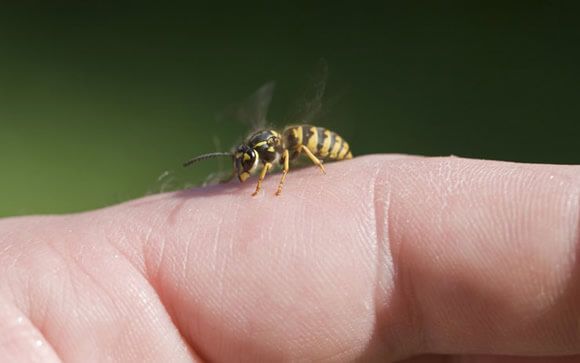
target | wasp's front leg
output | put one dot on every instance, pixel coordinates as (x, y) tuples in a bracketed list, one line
[(263, 173), (286, 167)]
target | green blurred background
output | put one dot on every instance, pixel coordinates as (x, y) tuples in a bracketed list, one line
[(98, 100)]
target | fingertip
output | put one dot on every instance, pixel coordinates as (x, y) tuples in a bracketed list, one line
[(486, 248)]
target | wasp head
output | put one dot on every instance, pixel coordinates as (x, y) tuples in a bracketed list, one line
[(245, 161)]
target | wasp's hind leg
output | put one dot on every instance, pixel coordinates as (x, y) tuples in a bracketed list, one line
[(263, 173), (286, 167), (314, 159)]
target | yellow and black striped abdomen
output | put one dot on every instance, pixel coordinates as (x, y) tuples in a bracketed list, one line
[(323, 143)]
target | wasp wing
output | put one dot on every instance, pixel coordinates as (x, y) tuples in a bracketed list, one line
[(253, 111), (309, 105)]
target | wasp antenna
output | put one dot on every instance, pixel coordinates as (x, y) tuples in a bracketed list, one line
[(205, 157)]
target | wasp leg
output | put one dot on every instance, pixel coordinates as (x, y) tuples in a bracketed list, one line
[(286, 158), (265, 169), (314, 159)]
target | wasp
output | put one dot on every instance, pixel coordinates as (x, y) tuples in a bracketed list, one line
[(267, 148)]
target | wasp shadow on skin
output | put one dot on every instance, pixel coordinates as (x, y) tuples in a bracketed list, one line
[(190, 192), (233, 186), (230, 188)]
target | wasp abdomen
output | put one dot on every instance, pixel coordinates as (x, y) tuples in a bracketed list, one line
[(323, 143)]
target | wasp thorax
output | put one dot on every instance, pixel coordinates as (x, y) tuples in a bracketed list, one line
[(245, 161)]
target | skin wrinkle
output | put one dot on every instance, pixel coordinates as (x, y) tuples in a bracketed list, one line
[(402, 293), (219, 268), (16, 295), (149, 305), (365, 232), (153, 301), (80, 265), (106, 297), (37, 286), (188, 241), (386, 301), (120, 235), (572, 291), (119, 238), (158, 288), (381, 211), (6, 249), (147, 243), (192, 328), (22, 329), (184, 333), (48, 308)]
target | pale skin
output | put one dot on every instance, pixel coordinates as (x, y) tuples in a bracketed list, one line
[(385, 258)]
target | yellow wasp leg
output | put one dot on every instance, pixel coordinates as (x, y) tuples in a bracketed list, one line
[(286, 157), (265, 169), (313, 158)]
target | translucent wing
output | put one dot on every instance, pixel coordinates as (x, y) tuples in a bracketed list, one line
[(218, 178), (309, 105), (252, 111)]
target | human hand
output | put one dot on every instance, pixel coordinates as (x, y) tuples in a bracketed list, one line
[(384, 258)]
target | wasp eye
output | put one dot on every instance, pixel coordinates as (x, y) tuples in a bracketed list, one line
[(248, 159)]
